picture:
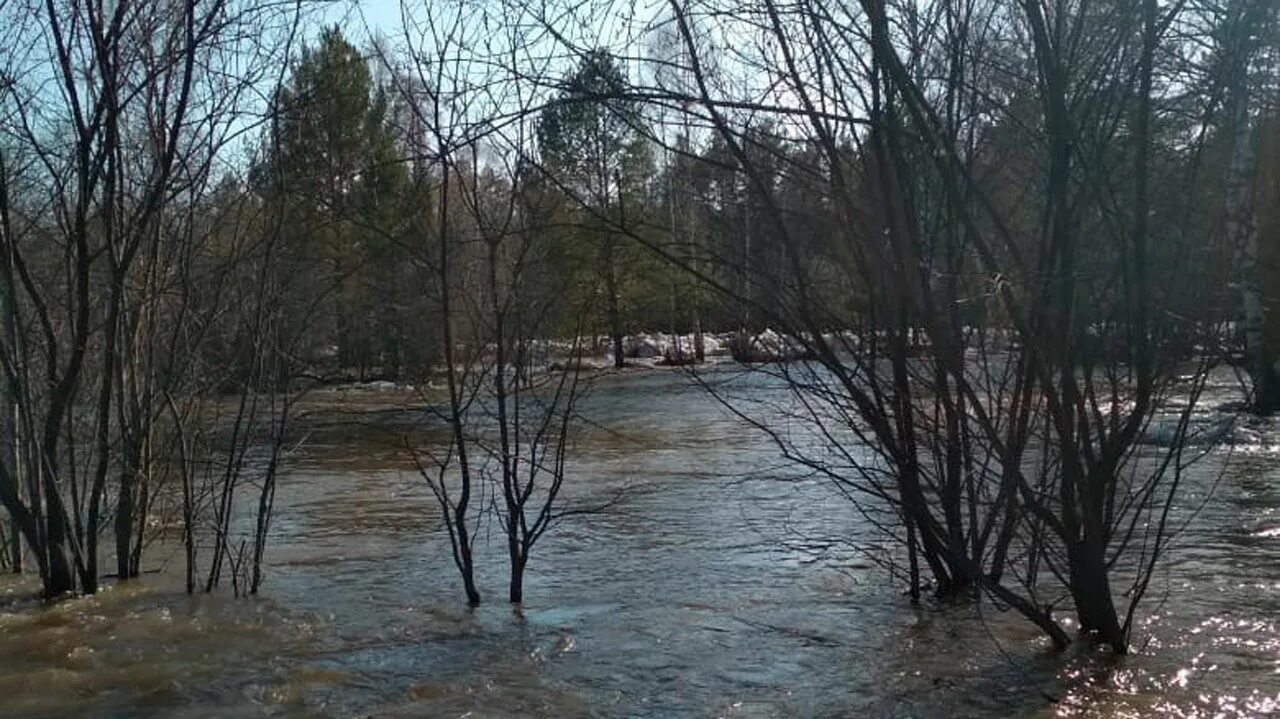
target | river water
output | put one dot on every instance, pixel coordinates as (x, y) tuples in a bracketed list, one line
[(722, 585)]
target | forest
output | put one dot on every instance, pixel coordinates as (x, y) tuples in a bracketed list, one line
[(992, 284)]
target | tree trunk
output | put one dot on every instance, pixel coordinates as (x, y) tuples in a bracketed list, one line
[(611, 280), (615, 315), (517, 579), (1268, 242), (469, 579), (913, 559), (1091, 592), (60, 581), (1242, 232), (188, 527), (15, 548), (699, 344), (124, 526), (15, 531)]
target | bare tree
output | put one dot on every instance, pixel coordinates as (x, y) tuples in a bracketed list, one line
[(102, 169), (485, 243), (1015, 467), (1004, 351)]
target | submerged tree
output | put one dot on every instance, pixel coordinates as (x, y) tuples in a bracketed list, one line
[(487, 238), (981, 296), (115, 119)]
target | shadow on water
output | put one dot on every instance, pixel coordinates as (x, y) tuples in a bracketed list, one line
[(701, 595)]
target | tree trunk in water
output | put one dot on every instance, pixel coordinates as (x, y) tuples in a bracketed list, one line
[(469, 578), (517, 580), (60, 580), (142, 504), (124, 527), (913, 560), (188, 530), (1091, 591)]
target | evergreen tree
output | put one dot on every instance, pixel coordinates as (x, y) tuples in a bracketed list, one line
[(334, 176), (591, 137)]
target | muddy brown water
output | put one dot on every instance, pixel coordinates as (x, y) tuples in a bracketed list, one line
[(723, 586)]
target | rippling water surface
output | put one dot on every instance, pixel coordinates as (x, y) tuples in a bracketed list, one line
[(716, 588)]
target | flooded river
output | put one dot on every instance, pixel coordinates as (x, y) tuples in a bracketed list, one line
[(718, 587)]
